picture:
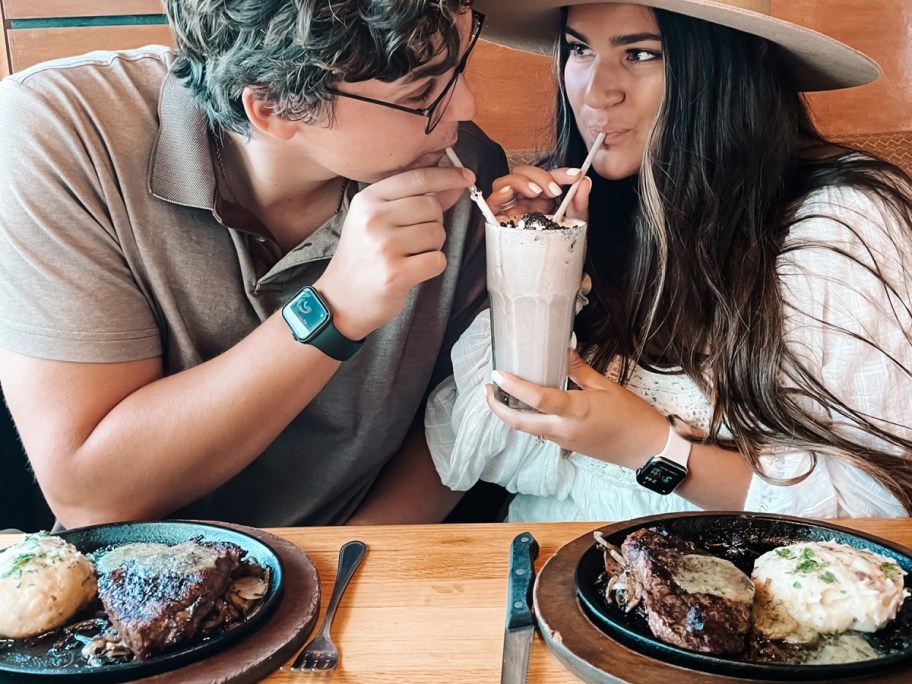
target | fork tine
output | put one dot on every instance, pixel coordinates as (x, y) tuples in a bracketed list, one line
[(321, 653)]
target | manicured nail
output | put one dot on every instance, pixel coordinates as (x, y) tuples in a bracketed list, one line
[(497, 377), (505, 189), (535, 188), (572, 172), (554, 188)]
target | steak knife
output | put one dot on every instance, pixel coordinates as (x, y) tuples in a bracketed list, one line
[(519, 627)]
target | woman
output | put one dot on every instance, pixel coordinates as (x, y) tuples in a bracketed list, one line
[(748, 322)]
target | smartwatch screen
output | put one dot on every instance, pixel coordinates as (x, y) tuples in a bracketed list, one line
[(305, 314), (661, 475)]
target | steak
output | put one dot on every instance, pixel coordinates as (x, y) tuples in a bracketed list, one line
[(157, 596), (692, 599)]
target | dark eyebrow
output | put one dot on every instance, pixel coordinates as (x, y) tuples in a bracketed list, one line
[(426, 70), (618, 41)]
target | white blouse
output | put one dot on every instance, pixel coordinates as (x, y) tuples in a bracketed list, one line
[(831, 298)]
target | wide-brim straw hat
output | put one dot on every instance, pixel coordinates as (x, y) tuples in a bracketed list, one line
[(815, 61)]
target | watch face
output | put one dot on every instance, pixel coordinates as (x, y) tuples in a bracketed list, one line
[(661, 475), (305, 314)]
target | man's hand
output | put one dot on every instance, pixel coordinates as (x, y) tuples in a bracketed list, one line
[(391, 241)]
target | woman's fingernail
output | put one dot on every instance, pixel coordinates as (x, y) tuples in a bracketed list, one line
[(554, 188), (505, 189), (572, 172), (534, 187), (497, 377)]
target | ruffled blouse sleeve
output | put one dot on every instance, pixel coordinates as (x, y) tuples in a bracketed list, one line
[(469, 443)]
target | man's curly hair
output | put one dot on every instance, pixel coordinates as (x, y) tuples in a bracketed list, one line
[(292, 52)]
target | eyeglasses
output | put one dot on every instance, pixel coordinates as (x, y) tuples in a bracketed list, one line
[(434, 111)]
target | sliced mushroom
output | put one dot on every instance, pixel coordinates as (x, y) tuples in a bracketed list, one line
[(614, 561), (250, 588)]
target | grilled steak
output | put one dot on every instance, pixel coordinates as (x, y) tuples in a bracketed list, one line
[(692, 599), (157, 596)]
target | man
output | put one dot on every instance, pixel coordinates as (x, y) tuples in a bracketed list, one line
[(158, 211)]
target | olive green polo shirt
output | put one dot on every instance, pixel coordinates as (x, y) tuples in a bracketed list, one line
[(110, 251)]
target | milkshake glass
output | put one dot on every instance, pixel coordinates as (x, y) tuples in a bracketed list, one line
[(534, 276)]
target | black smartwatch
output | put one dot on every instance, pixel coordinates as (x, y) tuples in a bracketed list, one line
[(666, 470), (310, 321)]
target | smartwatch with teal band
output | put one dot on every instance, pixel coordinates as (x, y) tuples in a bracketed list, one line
[(310, 320)]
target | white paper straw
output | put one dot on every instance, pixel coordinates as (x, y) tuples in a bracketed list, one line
[(474, 192), (562, 209)]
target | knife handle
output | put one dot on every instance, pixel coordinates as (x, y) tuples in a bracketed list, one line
[(523, 552)]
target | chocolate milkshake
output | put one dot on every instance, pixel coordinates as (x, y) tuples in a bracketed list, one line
[(534, 268)]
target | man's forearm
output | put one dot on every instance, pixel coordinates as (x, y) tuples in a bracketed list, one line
[(174, 439)]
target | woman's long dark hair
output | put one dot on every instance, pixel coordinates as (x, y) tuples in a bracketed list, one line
[(684, 258)]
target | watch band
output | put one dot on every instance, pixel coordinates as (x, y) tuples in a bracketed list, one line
[(677, 448), (334, 344), (667, 469)]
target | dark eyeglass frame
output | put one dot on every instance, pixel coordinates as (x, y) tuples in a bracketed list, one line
[(445, 94)]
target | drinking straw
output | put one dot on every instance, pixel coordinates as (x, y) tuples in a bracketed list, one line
[(562, 209), (474, 192)]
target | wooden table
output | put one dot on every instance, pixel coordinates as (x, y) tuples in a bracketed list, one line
[(428, 602)]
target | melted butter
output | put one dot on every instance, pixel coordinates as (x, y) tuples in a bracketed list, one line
[(160, 558), (848, 647), (699, 574)]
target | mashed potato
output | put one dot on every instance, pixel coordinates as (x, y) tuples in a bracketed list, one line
[(44, 581), (814, 588)]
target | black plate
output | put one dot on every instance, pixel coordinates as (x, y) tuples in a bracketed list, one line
[(29, 659), (741, 538)]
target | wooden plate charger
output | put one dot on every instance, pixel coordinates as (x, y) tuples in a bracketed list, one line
[(266, 649), (247, 653), (595, 657)]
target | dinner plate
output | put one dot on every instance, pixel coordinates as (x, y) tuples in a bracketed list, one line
[(31, 659), (741, 538)]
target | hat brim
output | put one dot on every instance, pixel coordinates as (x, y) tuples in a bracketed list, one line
[(816, 62)]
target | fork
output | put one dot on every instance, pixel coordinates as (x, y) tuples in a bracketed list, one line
[(321, 653)]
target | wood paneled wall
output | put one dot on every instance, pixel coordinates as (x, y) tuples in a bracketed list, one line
[(33, 45), (515, 90), (80, 8), (38, 30)]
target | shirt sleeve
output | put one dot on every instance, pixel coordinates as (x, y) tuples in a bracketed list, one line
[(66, 291), (844, 279)]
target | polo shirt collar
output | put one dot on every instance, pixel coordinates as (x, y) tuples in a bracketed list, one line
[(181, 172), (181, 169)]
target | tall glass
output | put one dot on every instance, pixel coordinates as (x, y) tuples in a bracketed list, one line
[(533, 280)]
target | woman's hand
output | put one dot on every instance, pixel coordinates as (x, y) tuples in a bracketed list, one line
[(529, 188), (603, 420)]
